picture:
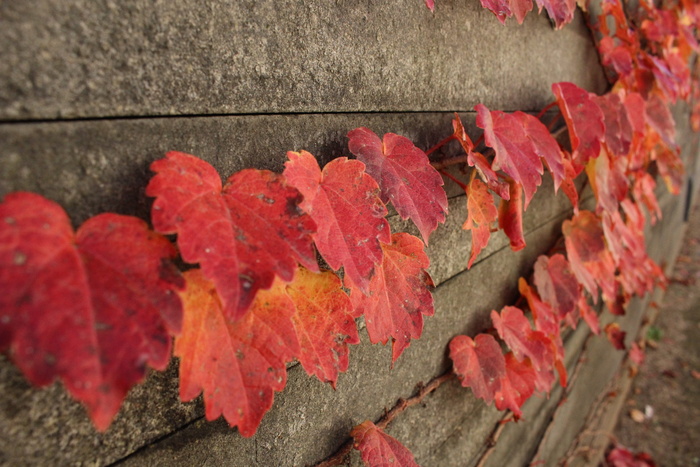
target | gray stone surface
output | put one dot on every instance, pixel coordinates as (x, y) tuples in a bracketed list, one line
[(86, 58)]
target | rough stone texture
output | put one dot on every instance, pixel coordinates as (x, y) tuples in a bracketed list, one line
[(238, 83), (85, 58)]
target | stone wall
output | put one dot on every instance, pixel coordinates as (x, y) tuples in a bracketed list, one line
[(91, 92)]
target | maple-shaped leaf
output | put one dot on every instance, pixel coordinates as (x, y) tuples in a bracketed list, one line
[(515, 152), (479, 364), (588, 254), (618, 128), (545, 146), (399, 294), (616, 335), (324, 323), (517, 386), (560, 11), (515, 330), (607, 174), (236, 364), (344, 201), (557, 285), (242, 234), (510, 217), (405, 177), (584, 119), (547, 322), (93, 308), (478, 161), (378, 449), (481, 213)]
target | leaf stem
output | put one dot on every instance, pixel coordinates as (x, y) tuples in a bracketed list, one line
[(439, 145), (546, 108), (439, 165), (458, 182)]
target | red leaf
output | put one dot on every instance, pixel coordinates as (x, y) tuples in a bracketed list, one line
[(568, 186), (557, 285), (618, 129), (405, 177), (636, 354), (659, 118), (504, 9), (560, 11), (479, 364), (344, 202), (589, 315), (515, 330), (584, 119), (643, 191), (399, 294), (477, 160), (621, 457), (510, 217), (324, 323), (481, 213), (517, 386), (607, 174), (242, 234), (430, 4), (545, 146), (91, 308), (616, 336), (379, 449), (238, 365), (588, 255), (515, 152)]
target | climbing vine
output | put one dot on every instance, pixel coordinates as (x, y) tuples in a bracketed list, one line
[(97, 306)]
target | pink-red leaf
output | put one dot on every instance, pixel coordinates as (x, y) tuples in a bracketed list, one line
[(479, 364), (515, 152), (237, 365), (481, 213), (243, 234), (510, 217), (324, 323), (557, 285), (379, 449), (517, 386), (399, 294), (92, 308), (544, 145), (344, 202), (584, 119), (405, 177), (504, 9), (588, 254), (560, 11)]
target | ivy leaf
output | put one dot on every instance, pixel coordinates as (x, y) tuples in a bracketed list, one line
[(479, 364), (379, 449), (557, 285), (399, 294), (405, 177), (643, 190), (236, 364), (344, 202), (517, 386), (618, 128), (584, 119), (92, 308), (481, 213), (588, 254), (478, 161), (659, 118), (545, 146), (324, 323), (504, 9), (243, 234), (607, 174), (510, 217), (560, 11), (515, 153), (616, 335)]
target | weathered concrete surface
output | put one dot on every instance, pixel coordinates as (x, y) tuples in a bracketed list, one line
[(86, 58)]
